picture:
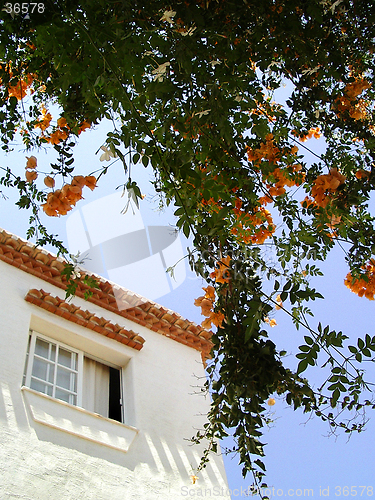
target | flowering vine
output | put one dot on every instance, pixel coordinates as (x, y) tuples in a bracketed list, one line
[(192, 95)]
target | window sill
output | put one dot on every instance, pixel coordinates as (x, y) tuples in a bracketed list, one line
[(78, 421)]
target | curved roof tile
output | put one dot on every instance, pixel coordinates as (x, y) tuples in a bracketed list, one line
[(46, 266)]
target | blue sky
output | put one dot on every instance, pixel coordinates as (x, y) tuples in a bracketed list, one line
[(299, 455)]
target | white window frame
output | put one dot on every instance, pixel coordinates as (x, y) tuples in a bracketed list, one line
[(81, 355), (30, 363), (75, 420)]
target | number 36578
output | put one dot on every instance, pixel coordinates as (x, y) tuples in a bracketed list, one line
[(24, 8)]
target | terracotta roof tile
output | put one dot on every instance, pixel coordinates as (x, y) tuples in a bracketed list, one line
[(77, 315), (129, 305)]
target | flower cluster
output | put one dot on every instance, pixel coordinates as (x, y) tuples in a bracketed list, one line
[(20, 88), (206, 302), (271, 322), (267, 151), (347, 102), (278, 177), (324, 187), (60, 132), (61, 201), (253, 228), (211, 205), (363, 287), (313, 132), (44, 119), (222, 272)]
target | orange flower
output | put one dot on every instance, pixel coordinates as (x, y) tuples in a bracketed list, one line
[(207, 303), (360, 174), (325, 185), (57, 136), (206, 324), (206, 306), (358, 111), (222, 274), (19, 90), (31, 162), (48, 210), (61, 122), (61, 201), (253, 228), (79, 180), (56, 204), (84, 125), (346, 103), (49, 181), (217, 318), (360, 286), (271, 322), (356, 88), (71, 194), (53, 199), (214, 318), (44, 119), (90, 182), (210, 292), (279, 302), (198, 301), (313, 132), (31, 175)]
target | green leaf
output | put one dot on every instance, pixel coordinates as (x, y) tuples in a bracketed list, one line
[(136, 158), (302, 365), (304, 348), (260, 464), (186, 229)]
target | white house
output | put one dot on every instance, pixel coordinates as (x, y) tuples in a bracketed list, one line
[(98, 397)]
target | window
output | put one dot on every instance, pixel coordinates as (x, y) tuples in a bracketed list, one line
[(64, 373)]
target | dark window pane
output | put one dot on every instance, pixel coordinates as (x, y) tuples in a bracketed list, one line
[(114, 410)]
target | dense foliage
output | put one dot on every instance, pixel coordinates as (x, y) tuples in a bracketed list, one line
[(190, 88)]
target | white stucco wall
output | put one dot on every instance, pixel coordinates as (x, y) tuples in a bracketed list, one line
[(162, 402)]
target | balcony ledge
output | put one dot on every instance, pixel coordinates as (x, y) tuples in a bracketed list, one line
[(78, 421)]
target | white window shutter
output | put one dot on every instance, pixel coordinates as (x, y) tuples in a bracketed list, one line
[(95, 390)]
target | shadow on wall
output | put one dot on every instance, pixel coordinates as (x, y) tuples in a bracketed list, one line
[(163, 464), (121, 248)]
